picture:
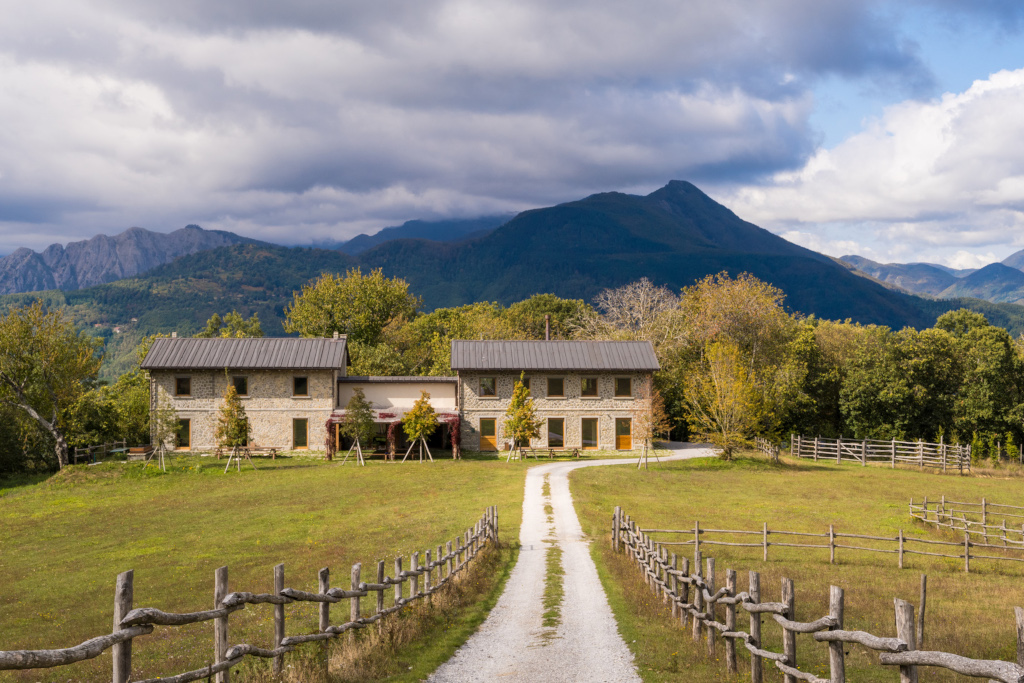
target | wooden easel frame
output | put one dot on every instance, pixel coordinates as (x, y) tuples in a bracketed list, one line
[(238, 459), (423, 444)]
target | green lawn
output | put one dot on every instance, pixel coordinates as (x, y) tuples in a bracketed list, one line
[(968, 614), (63, 541)]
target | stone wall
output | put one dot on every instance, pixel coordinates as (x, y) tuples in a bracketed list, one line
[(572, 407), (269, 404)]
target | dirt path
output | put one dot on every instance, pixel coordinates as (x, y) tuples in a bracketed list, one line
[(512, 644)]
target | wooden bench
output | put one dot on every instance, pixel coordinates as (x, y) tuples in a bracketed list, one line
[(533, 452), (272, 451)]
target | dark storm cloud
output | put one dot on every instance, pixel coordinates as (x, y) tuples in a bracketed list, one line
[(319, 118)]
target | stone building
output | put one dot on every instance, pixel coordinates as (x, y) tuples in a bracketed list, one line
[(288, 386), (587, 393)]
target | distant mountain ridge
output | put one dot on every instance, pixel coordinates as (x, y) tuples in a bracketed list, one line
[(438, 231), (103, 258)]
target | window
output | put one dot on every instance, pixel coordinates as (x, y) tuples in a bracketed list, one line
[(588, 429), (556, 432), (241, 385), (556, 386), (300, 386), (488, 386), (526, 382), (623, 387), (588, 387), (184, 434), (182, 386), (300, 433)]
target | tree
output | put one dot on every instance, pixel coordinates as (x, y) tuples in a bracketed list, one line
[(640, 310), (163, 428), (722, 398), (521, 421), (525, 319), (45, 364), (357, 422), (233, 325), (356, 305), (233, 424), (649, 419), (419, 423)]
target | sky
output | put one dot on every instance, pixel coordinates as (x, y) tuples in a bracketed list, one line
[(893, 130)]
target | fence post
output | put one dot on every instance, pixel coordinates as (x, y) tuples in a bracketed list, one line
[(864, 453), (792, 442), (839, 450), (831, 544), (905, 632), (428, 580), (278, 664), (353, 603), (616, 517), (398, 576), (836, 661), (730, 622), (920, 613), (220, 624), (674, 583), (696, 545), (711, 630), (414, 580), (789, 637), (967, 549), (754, 590), (683, 614), (984, 511), (1018, 613), (894, 454), (901, 548), (448, 554), (920, 453), (698, 599), (122, 653), (764, 541), (942, 447), (815, 449)]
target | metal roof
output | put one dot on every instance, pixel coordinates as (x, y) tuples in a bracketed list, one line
[(399, 379), (553, 355), (263, 353)]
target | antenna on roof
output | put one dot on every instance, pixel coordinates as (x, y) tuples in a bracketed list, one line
[(547, 327), (335, 334)]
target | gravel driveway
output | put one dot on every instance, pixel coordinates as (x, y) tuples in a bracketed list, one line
[(511, 644)]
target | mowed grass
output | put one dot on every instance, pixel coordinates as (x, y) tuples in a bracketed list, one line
[(968, 614), (63, 541)]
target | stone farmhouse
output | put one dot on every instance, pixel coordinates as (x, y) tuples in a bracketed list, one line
[(295, 391), (587, 393)]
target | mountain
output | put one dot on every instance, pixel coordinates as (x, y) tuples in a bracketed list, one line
[(995, 282), (919, 278), (673, 236), (1015, 260), (958, 272), (104, 259), (438, 231)]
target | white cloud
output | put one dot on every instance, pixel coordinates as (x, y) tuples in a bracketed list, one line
[(940, 174), (967, 259)]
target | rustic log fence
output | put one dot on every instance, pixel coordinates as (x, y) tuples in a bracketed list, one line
[(833, 541), (672, 578), (767, 447), (132, 623), (940, 455), (975, 519)]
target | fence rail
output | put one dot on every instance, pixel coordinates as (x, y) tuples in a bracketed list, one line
[(132, 623), (91, 453), (940, 455), (768, 448), (663, 573), (832, 541), (975, 519)]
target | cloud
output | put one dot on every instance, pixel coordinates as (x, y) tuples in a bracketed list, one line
[(308, 120), (942, 174)]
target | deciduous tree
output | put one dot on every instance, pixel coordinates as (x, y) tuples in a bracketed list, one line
[(722, 398), (521, 421)]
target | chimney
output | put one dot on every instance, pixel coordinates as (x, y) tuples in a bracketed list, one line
[(335, 334), (547, 327), (174, 335)]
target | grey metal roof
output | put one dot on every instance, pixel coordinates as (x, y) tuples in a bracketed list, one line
[(263, 353), (399, 379), (553, 355)]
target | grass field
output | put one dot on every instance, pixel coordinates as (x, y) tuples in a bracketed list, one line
[(63, 541), (968, 614)]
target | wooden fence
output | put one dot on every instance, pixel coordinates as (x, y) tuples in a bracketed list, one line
[(942, 456), (94, 453), (834, 541), (768, 448), (975, 519), (663, 573), (131, 623)]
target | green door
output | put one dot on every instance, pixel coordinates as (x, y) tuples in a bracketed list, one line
[(300, 433)]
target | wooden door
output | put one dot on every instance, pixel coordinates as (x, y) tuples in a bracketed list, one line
[(623, 433), (488, 434)]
